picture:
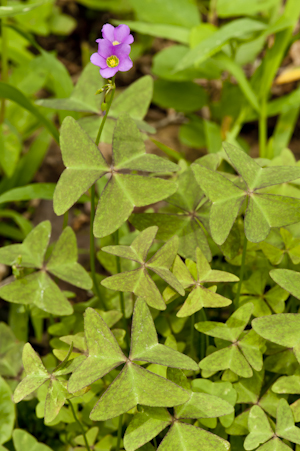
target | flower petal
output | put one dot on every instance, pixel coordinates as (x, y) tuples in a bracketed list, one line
[(108, 32), (105, 48), (121, 33), (121, 50), (98, 60), (109, 72), (125, 64), (128, 40)]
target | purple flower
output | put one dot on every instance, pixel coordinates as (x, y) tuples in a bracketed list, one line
[(119, 35), (113, 50)]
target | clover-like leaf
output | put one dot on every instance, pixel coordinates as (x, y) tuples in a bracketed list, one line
[(151, 422), (259, 427), (134, 385), (289, 245), (263, 210), (188, 219), (38, 288), (285, 424), (29, 254), (199, 296), (36, 374), (288, 280), (245, 351), (287, 384), (253, 290), (139, 281), (123, 191), (145, 346)]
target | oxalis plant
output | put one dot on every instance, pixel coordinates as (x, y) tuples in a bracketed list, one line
[(189, 337)]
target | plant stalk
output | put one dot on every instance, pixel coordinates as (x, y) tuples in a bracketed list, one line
[(80, 425), (121, 294), (92, 248), (4, 60), (119, 432), (242, 270), (92, 242), (263, 129)]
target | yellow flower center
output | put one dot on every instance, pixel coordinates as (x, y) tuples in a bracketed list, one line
[(112, 61), (116, 43)]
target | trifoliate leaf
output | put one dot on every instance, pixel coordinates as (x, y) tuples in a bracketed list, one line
[(285, 424), (138, 281), (259, 427)]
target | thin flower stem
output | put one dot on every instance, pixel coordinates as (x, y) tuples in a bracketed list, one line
[(121, 294), (92, 242), (119, 433), (242, 270), (106, 113), (80, 425), (92, 249), (155, 443), (4, 60)]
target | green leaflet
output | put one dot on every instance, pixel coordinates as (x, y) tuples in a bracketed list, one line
[(283, 329), (10, 352), (263, 210), (261, 431), (259, 427), (38, 288), (134, 385), (244, 353), (138, 281), (7, 412), (123, 191), (200, 296), (23, 441)]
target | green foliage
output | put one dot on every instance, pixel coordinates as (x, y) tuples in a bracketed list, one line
[(37, 288)]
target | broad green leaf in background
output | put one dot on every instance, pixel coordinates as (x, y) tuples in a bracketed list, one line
[(139, 281), (184, 96), (123, 191), (134, 385), (188, 219), (214, 43), (38, 288), (7, 412), (245, 351), (253, 290), (171, 12), (192, 276), (29, 192), (24, 441), (10, 148), (14, 10), (263, 210), (288, 280), (225, 8), (165, 31), (10, 92)]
